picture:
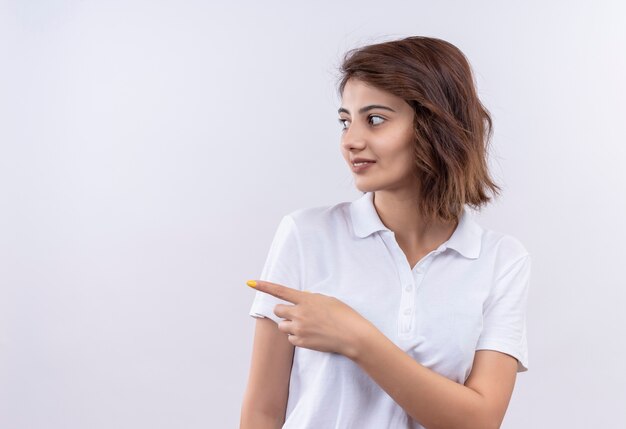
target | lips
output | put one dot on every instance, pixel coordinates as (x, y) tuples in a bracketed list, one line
[(361, 167)]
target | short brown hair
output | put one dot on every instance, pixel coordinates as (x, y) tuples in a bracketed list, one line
[(452, 127)]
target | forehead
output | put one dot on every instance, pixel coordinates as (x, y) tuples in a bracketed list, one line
[(357, 93)]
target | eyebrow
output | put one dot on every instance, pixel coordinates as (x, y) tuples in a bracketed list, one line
[(366, 108)]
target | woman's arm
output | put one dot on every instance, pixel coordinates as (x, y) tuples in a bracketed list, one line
[(326, 324), (433, 400), (265, 400)]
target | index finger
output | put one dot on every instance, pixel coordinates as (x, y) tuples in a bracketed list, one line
[(279, 291)]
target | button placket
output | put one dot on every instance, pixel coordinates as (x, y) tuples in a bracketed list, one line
[(406, 309), (407, 319), (407, 283)]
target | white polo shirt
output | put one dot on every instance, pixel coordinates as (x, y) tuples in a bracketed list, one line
[(468, 294)]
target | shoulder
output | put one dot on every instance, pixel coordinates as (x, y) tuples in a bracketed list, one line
[(502, 249), (320, 218)]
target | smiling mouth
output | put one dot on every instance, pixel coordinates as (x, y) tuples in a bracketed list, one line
[(361, 166)]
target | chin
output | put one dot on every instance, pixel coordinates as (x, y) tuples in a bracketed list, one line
[(365, 188)]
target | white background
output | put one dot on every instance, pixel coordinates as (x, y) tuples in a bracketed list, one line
[(148, 150)]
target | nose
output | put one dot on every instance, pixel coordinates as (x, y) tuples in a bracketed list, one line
[(353, 138)]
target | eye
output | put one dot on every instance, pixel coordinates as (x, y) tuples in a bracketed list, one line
[(343, 121), (376, 116)]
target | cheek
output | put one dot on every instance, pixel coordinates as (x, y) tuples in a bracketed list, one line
[(403, 163), (401, 155)]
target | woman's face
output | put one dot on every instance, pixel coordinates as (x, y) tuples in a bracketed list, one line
[(378, 126)]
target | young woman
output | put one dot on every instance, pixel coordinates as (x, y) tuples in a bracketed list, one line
[(395, 310)]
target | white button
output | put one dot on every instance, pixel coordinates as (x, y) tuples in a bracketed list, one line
[(408, 287), (418, 270), (407, 311)]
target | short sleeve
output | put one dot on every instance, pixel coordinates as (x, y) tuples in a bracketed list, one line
[(504, 314), (282, 266)]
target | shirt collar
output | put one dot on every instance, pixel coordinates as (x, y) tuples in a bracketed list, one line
[(465, 239)]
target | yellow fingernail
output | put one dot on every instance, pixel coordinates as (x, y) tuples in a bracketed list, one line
[(251, 283)]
